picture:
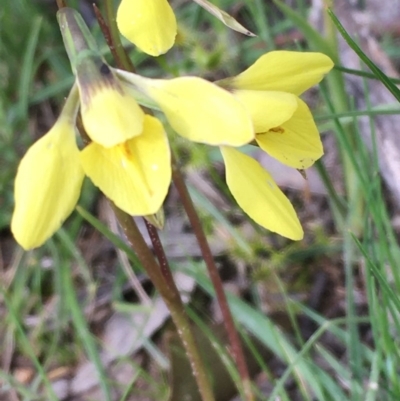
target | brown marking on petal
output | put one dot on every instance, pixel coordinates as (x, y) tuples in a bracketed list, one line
[(302, 173), (127, 149), (94, 75), (105, 70), (279, 130)]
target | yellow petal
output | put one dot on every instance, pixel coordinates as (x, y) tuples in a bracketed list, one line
[(267, 109), (297, 142), (285, 71), (47, 186), (134, 175), (201, 111), (149, 24), (110, 116), (257, 194)]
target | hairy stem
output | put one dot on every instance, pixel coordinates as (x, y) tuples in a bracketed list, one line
[(162, 279), (235, 344)]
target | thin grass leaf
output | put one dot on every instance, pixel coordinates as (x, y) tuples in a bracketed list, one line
[(15, 320), (373, 384), (379, 276), (80, 323), (50, 91), (270, 335), (10, 383), (363, 74), (114, 239), (26, 71), (372, 66), (313, 37), (259, 12), (381, 110)]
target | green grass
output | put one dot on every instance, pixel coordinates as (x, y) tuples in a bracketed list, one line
[(45, 293)]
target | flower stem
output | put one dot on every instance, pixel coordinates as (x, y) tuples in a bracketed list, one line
[(236, 347), (162, 279), (111, 34), (160, 254)]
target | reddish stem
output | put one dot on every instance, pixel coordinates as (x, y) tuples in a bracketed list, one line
[(236, 347)]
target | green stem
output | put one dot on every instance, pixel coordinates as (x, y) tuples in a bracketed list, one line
[(113, 38), (162, 279), (340, 101), (236, 347)]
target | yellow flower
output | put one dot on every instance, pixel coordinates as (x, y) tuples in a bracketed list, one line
[(134, 171), (109, 114), (197, 109), (129, 158), (149, 24), (135, 174), (277, 78), (284, 128)]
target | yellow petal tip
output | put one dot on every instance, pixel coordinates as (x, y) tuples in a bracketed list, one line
[(149, 24)]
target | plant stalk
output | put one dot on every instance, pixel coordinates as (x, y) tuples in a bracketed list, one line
[(113, 39), (160, 254), (235, 344), (162, 279)]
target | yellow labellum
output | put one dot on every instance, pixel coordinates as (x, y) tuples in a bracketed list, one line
[(267, 109), (258, 195), (110, 116), (135, 175), (285, 71), (149, 24), (201, 111), (296, 142), (47, 186)]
